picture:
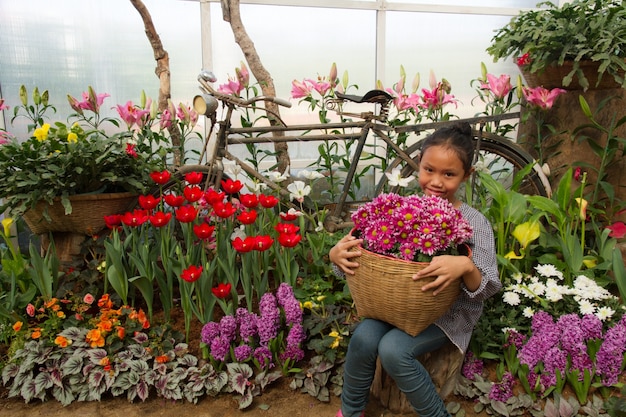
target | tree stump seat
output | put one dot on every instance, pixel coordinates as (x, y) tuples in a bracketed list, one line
[(444, 367)]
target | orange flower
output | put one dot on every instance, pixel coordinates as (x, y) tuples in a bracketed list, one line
[(36, 334), (162, 359), (141, 317), (17, 326), (105, 325), (94, 338), (105, 302), (60, 314), (51, 303), (105, 361), (121, 332), (62, 341)]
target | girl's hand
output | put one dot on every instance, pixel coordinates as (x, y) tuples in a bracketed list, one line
[(447, 269), (342, 254)]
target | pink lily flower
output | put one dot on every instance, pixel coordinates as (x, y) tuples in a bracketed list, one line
[(130, 113), (166, 119), (300, 89), (243, 75), (321, 86), (500, 86), (2, 105), (232, 87), (542, 97), (92, 101)]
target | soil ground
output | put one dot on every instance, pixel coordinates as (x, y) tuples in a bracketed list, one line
[(277, 401)]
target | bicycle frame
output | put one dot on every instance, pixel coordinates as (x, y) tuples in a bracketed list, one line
[(358, 131)]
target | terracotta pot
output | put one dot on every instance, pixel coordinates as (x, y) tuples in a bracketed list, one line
[(552, 77), (88, 211)]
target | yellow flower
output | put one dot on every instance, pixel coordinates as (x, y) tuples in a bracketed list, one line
[(41, 133), (72, 137), (337, 337), (308, 305), (590, 263), (526, 233), (6, 223), (513, 255), (583, 207)]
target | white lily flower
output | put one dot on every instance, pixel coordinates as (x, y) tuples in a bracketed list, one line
[(277, 177), (395, 178), (233, 169), (310, 175), (298, 190)]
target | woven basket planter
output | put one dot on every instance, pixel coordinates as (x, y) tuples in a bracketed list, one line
[(88, 211), (552, 77), (382, 288)]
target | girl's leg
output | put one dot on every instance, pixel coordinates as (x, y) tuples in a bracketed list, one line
[(360, 365), (398, 352)]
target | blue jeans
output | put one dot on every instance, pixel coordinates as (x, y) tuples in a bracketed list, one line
[(397, 352)]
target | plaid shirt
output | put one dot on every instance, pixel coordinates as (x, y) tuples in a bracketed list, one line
[(458, 322)]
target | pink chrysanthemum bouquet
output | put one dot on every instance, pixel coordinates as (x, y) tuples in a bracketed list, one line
[(413, 228)]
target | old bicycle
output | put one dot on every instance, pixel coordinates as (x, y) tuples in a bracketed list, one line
[(502, 157)]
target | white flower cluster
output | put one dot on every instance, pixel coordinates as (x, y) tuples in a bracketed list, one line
[(546, 286)]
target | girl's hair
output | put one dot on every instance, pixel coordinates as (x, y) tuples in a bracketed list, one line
[(458, 138)]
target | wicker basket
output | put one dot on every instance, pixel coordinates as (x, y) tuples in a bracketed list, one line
[(88, 211), (382, 288)]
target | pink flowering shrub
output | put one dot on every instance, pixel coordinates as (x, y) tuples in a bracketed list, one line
[(412, 228)]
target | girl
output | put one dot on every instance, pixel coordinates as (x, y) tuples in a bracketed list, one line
[(445, 163)]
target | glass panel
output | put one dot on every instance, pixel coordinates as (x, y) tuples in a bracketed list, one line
[(451, 45), (477, 3), (67, 46)]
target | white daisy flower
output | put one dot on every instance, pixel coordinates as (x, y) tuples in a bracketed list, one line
[(548, 270), (528, 312), (554, 293), (585, 307), (511, 298), (605, 313)]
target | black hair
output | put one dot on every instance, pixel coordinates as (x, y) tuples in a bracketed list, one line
[(458, 138)]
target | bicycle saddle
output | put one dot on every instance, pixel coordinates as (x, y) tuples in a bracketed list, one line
[(372, 96)]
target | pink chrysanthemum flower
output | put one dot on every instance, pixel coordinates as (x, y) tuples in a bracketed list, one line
[(412, 227)]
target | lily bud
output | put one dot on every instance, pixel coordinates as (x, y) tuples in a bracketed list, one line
[(483, 72), (520, 86), (142, 100), (45, 96), (36, 96), (332, 77), (23, 95), (344, 80), (416, 83)]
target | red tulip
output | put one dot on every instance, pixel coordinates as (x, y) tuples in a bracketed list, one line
[(286, 228), (174, 200), (268, 201), (203, 231), (148, 202), (160, 219), (232, 187), (113, 221), (289, 240), (186, 214), (192, 273), (222, 290), (249, 200), (244, 245), (193, 193), (160, 177), (263, 243), (194, 177), (224, 210), (247, 217), (135, 218), (212, 196)]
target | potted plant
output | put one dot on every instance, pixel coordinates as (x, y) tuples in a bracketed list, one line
[(63, 165), (582, 43)]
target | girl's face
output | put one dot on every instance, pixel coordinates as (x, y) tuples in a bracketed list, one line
[(441, 173)]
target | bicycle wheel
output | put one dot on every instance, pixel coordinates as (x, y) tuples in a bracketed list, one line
[(499, 156)]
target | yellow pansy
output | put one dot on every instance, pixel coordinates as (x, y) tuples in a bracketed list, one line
[(72, 137), (337, 337), (6, 224), (41, 133), (590, 263)]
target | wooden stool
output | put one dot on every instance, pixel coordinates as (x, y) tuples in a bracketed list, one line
[(444, 367)]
